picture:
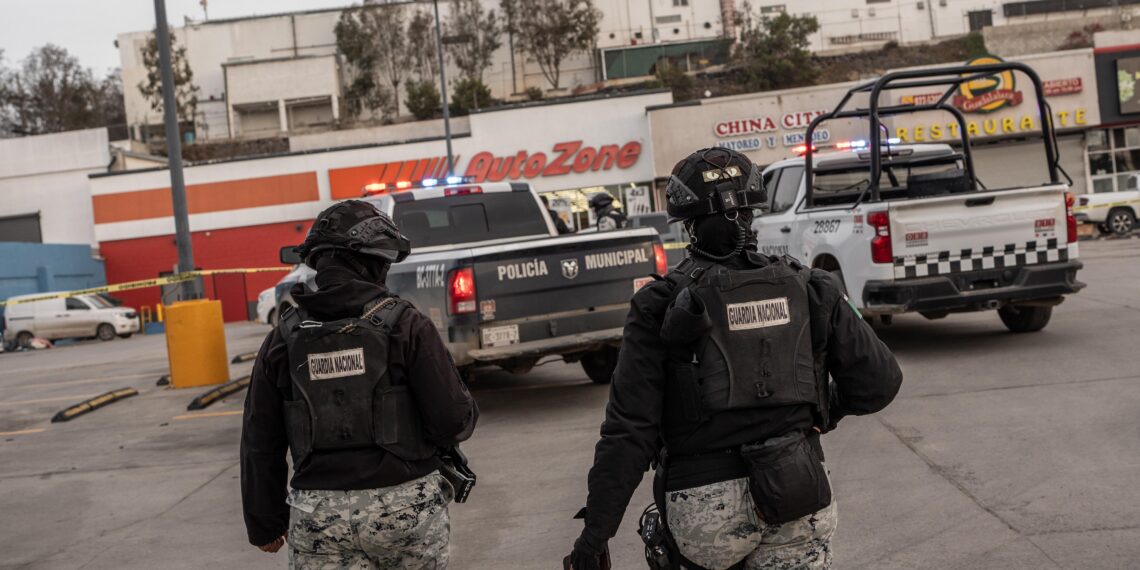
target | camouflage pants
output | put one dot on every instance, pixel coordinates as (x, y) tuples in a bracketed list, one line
[(716, 526), (405, 526)]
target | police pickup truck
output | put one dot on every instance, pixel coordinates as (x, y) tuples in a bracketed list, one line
[(911, 228), (503, 289)]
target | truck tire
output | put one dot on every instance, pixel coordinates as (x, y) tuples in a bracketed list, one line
[(24, 339), (1120, 221), (105, 332), (1025, 319), (600, 364)]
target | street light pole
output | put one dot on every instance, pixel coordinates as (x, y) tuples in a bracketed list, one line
[(443, 89), (174, 151)]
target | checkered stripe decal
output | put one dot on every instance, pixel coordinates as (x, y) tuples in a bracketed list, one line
[(1012, 255)]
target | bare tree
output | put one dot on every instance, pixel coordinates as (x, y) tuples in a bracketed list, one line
[(552, 30), (475, 33), (185, 92), (421, 46), (373, 39)]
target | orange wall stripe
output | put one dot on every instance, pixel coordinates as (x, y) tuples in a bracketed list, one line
[(349, 182), (406, 170), (205, 198), (418, 173)]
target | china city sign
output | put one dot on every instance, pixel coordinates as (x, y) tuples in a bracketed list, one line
[(768, 125), (565, 158)]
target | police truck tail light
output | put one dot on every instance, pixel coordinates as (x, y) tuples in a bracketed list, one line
[(1070, 219), (461, 291), (661, 259), (881, 243)]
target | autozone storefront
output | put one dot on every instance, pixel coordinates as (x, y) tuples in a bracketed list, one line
[(243, 211), (1000, 113)]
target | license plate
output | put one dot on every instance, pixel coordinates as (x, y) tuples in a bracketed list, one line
[(500, 336), (641, 282)]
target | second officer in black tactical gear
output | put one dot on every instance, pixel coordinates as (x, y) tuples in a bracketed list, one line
[(359, 387), (609, 217), (723, 377)]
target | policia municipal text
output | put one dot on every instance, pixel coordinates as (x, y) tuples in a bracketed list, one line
[(723, 379), (359, 387)]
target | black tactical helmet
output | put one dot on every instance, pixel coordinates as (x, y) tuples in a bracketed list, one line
[(712, 181), (356, 226), (601, 200)]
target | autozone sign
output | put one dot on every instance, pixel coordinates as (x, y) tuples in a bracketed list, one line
[(564, 158)]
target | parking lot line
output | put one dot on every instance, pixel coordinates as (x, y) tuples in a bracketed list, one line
[(208, 415), (21, 432), (43, 400)]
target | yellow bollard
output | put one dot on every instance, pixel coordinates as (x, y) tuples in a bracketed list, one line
[(196, 344)]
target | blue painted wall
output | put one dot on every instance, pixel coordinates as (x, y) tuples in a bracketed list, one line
[(38, 267)]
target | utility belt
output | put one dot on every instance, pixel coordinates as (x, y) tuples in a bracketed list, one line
[(786, 479)]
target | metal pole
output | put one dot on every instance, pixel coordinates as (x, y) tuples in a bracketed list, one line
[(174, 151), (443, 89)]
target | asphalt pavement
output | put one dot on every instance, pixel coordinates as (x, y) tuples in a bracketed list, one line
[(1001, 451)]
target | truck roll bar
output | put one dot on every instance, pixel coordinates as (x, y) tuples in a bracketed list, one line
[(952, 77)]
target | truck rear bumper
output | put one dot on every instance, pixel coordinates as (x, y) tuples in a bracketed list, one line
[(567, 344), (974, 290)]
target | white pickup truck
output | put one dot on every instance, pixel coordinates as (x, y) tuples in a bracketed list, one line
[(919, 233), (1113, 212)]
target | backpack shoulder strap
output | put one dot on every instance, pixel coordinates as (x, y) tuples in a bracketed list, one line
[(686, 273), (290, 318), (385, 312)]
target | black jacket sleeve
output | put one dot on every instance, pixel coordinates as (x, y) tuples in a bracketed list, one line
[(865, 375), (629, 435), (264, 472), (448, 411)]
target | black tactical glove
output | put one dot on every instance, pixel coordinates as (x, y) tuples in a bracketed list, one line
[(587, 554)]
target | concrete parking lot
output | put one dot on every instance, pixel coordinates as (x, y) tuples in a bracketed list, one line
[(1002, 451)]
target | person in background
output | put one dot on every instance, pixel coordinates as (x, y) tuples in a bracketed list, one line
[(559, 224), (609, 217)]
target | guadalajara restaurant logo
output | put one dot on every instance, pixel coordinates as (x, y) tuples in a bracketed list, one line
[(989, 93)]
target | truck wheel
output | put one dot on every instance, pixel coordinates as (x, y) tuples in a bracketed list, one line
[(24, 339), (1025, 319), (600, 364), (105, 332), (1120, 221)]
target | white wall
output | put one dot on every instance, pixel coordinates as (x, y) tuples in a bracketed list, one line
[(48, 174)]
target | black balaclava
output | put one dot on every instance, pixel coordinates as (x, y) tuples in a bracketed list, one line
[(719, 235), (337, 266)]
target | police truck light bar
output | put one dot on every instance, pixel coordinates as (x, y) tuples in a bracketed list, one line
[(375, 188)]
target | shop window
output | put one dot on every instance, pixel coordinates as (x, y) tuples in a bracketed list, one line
[(679, 3), (25, 228), (980, 19), (1127, 160), (1098, 140), (1127, 182), (1102, 185), (774, 9), (1100, 163), (1114, 159)]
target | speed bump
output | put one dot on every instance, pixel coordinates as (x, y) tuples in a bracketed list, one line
[(246, 357), (215, 394), (95, 403)]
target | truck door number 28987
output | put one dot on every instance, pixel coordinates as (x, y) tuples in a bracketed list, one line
[(825, 227)]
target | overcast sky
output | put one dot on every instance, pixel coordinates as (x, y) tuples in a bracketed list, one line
[(88, 28)]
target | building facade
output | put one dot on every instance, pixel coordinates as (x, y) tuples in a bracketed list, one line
[(242, 211), (247, 69), (1005, 130)]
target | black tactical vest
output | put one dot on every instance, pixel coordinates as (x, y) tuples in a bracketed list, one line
[(757, 348), (343, 396)]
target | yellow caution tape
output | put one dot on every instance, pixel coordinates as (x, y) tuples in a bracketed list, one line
[(158, 281)]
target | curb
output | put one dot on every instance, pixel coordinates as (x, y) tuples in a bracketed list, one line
[(246, 357), (215, 394), (71, 412)]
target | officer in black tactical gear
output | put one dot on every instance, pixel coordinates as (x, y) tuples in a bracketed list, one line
[(723, 383), (609, 217), (359, 388)]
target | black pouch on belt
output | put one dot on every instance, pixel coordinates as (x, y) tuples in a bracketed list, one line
[(786, 477)]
